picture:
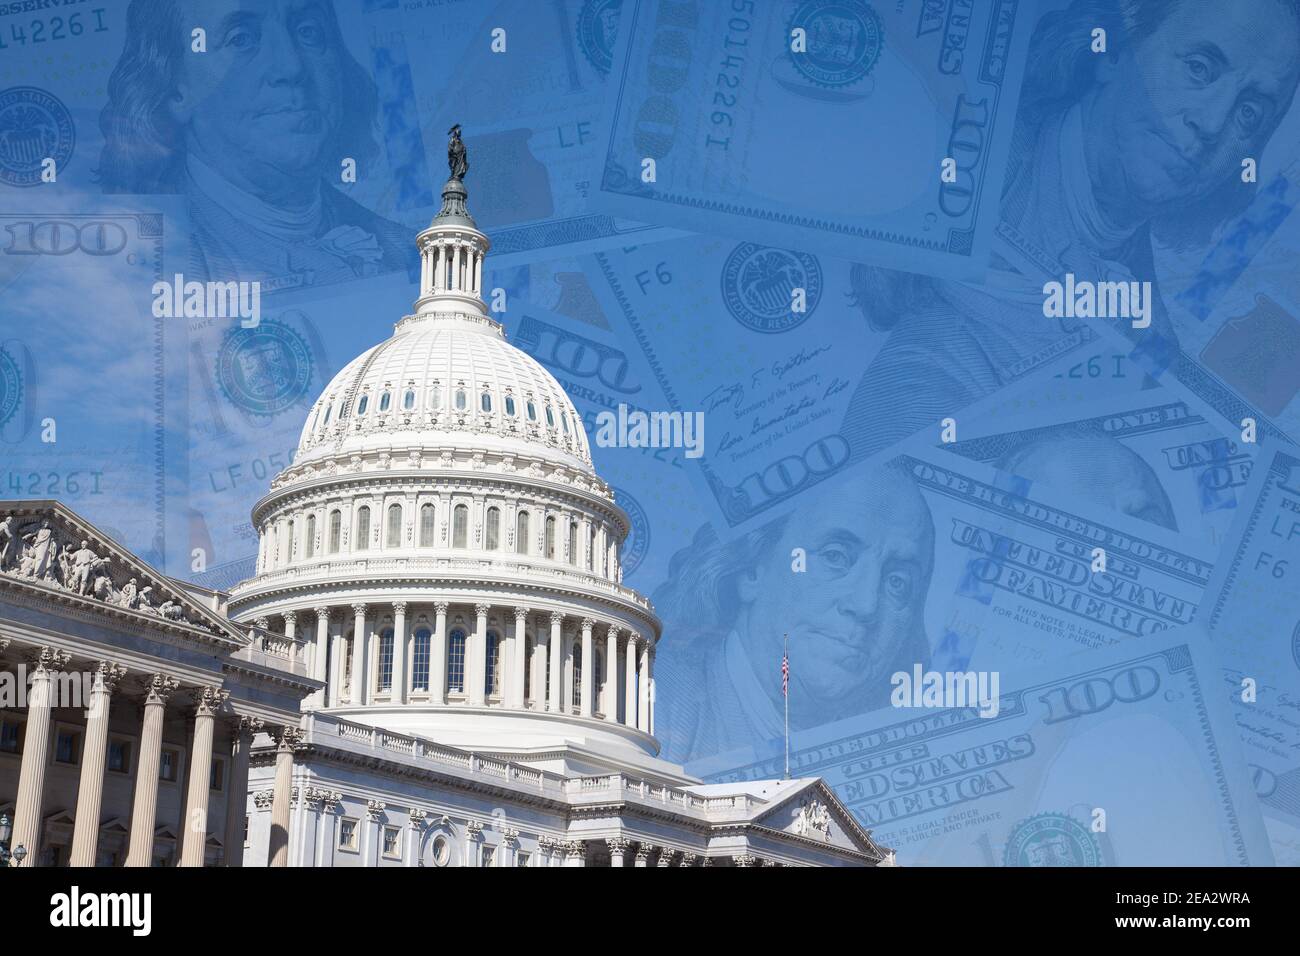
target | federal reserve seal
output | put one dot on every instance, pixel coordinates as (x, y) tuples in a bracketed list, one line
[(1052, 839), (843, 38), (264, 370), (638, 539), (11, 386), (597, 31), (34, 126), (758, 284)]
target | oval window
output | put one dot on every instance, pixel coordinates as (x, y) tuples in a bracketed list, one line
[(460, 400), (550, 417), (532, 412), (384, 401), (408, 401), (485, 402), (363, 405), (510, 406)]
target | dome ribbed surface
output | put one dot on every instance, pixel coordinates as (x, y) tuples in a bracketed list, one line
[(435, 376)]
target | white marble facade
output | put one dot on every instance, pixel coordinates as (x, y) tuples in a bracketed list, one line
[(438, 579)]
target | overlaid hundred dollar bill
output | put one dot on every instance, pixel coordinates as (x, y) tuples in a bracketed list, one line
[(925, 559), (816, 124), (294, 177), (1145, 454), (251, 389), (531, 117), (1252, 611), (790, 399), (92, 383), (652, 485), (1118, 757)]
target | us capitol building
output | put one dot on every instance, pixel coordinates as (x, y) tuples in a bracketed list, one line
[(436, 663)]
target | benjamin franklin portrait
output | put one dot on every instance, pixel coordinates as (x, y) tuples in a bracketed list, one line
[(253, 133), (854, 617), (1106, 148)]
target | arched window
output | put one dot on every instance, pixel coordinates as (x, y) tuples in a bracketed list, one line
[(591, 546), (521, 533), (408, 401), (427, 514), (492, 679), (363, 529), (456, 661), (461, 403), (550, 417), (336, 530), (394, 535), (363, 405), (532, 411), (288, 543), (384, 670), (564, 420), (485, 402), (550, 537), (493, 532), (460, 527), (576, 689), (510, 406), (328, 408), (573, 542), (385, 401), (309, 543), (420, 659)]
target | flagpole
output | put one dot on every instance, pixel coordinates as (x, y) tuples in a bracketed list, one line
[(787, 709)]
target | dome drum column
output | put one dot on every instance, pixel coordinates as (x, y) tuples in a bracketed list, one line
[(588, 676), (553, 698), (438, 668), (359, 656)]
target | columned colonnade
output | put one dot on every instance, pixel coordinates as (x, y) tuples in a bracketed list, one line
[(512, 656), (205, 709)]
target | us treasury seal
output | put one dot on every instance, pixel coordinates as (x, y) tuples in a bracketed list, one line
[(844, 39), (1052, 839), (264, 370), (758, 284), (11, 386), (638, 539), (597, 31), (34, 126)]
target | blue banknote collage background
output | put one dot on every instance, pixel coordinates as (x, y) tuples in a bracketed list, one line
[(1148, 713)]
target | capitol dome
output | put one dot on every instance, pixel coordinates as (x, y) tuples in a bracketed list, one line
[(445, 543), (445, 380)]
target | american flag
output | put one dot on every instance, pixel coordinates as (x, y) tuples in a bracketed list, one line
[(785, 675)]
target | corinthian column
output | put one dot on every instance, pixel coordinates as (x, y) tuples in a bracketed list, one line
[(518, 660), (318, 670), (286, 739), (195, 828), (643, 711), (588, 667), (144, 813), (85, 835), (610, 703), (629, 683), (398, 693), (359, 656), (36, 746), (438, 656), (476, 658), (243, 730), (557, 659)]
